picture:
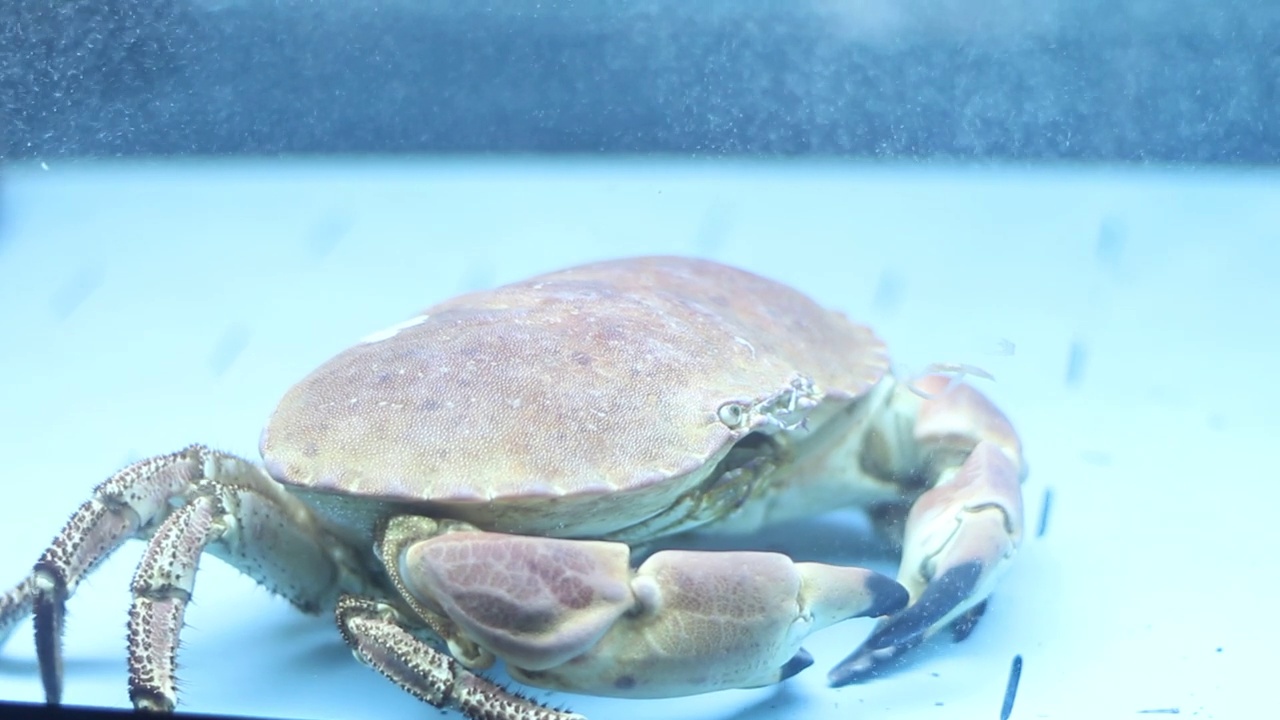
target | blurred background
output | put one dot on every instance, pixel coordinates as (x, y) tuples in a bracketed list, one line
[(1123, 80), (202, 200)]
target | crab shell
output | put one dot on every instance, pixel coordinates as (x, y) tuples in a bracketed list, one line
[(575, 404)]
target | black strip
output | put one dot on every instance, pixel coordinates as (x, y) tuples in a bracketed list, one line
[(1045, 505), (1076, 357), (37, 711), (1011, 690)]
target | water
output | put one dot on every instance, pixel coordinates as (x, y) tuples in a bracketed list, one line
[(1127, 313)]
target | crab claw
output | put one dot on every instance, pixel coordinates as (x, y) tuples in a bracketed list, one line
[(573, 615), (707, 621), (960, 536)]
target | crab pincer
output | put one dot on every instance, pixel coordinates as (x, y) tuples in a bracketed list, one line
[(574, 615)]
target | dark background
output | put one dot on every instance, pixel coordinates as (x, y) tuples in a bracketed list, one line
[(1183, 81)]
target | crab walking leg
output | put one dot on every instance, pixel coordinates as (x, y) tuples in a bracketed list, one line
[(573, 615), (959, 535), (15, 606), (189, 501), (378, 636), (162, 586), (268, 538), (130, 502)]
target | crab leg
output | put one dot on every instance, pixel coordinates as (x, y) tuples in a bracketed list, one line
[(961, 533), (162, 587), (378, 636), (127, 504), (223, 503)]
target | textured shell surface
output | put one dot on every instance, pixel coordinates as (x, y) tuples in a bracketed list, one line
[(609, 379)]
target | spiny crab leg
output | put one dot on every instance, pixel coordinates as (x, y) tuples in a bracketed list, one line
[(162, 587), (574, 615), (129, 503), (378, 635), (15, 606), (185, 501), (961, 533)]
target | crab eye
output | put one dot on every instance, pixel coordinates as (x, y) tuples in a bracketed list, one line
[(732, 414)]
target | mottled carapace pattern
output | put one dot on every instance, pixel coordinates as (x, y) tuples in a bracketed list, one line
[(535, 601), (574, 384)]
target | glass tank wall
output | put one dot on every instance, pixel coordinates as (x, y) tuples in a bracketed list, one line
[(1069, 207)]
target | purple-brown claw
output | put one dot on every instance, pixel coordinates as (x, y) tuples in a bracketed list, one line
[(574, 615)]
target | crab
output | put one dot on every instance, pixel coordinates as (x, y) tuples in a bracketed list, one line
[(485, 481)]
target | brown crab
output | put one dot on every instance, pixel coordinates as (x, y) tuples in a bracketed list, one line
[(469, 485)]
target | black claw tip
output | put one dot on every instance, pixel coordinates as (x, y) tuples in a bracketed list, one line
[(906, 629), (801, 660), (968, 620), (887, 596), (939, 598), (47, 616)]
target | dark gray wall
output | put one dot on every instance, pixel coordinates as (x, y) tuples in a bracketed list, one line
[(1130, 80)]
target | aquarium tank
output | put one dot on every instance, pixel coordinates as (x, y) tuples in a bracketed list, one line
[(559, 359)]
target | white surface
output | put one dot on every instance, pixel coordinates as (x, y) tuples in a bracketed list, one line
[(143, 308)]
